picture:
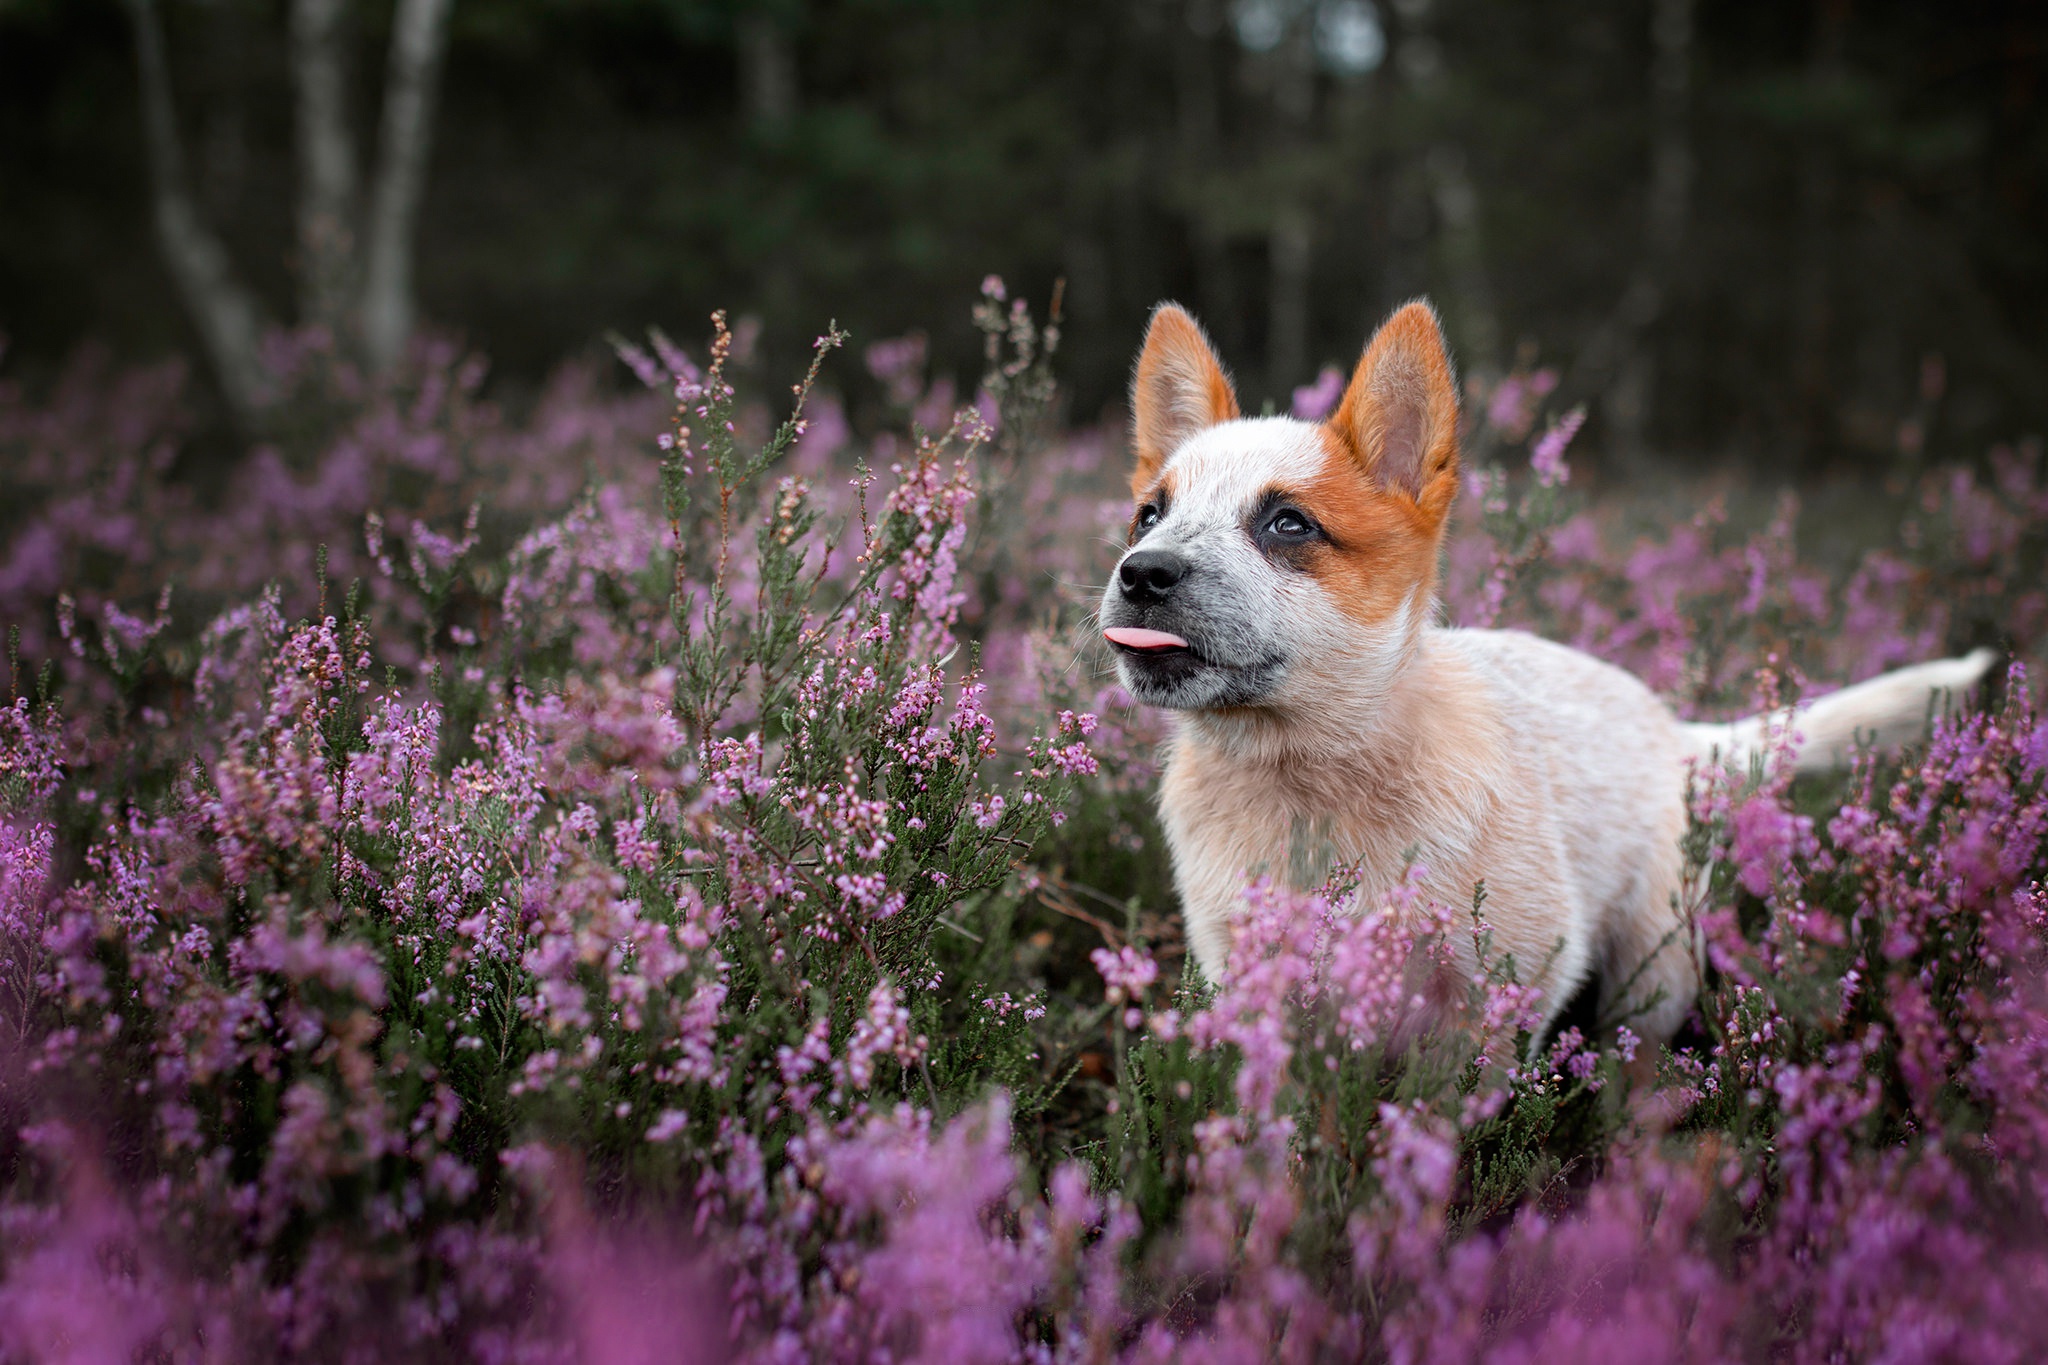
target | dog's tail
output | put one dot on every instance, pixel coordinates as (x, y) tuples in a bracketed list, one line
[(1888, 710)]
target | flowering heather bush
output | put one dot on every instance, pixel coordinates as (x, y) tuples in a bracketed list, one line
[(579, 888)]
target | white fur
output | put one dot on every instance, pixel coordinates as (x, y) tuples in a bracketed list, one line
[(1883, 712), (1309, 737), (1555, 779)]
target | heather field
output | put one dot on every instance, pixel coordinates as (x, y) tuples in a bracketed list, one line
[(662, 871)]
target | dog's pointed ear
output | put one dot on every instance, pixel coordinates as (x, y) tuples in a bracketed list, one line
[(1399, 414), (1178, 390)]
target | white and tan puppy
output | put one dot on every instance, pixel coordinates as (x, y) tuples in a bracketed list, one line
[(1279, 592)]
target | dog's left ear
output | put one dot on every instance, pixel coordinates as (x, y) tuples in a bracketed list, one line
[(1399, 414)]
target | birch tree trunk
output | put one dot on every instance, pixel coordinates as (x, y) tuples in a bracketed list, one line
[(327, 166), (354, 274), (419, 36), (229, 322)]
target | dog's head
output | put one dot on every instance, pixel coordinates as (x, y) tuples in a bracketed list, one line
[(1272, 560)]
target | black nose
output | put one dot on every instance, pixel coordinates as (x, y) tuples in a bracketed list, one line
[(1149, 575)]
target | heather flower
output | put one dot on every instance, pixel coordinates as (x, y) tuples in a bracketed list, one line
[(1511, 407), (884, 1031), (1313, 402), (661, 832), (1546, 458), (1763, 836), (1126, 972), (899, 365), (26, 861)]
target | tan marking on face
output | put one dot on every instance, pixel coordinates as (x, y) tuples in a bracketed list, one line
[(1382, 547)]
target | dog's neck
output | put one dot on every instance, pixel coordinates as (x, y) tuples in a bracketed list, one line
[(1368, 718)]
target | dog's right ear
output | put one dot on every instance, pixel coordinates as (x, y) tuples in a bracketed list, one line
[(1179, 389)]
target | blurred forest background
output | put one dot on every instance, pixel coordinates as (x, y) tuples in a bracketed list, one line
[(1798, 237)]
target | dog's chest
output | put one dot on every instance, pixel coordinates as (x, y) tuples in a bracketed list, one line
[(1228, 825)]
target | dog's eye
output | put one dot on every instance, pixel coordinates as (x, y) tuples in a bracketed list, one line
[(1289, 523), (1148, 516)]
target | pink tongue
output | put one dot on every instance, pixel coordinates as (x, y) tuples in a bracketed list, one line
[(1132, 638)]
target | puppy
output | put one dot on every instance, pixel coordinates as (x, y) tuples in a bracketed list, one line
[(1279, 592)]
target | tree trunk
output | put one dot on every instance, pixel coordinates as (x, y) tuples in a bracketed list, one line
[(1813, 293), (1456, 200), (327, 166), (768, 86), (229, 322), (768, 105), (419, 36), (1289, 243), (1629, 401), (1452, 194), (1288, 246), (1197, 138), (220, 172)]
